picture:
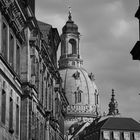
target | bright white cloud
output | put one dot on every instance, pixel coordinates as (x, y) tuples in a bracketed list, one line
[(112, 7), (120, 28)]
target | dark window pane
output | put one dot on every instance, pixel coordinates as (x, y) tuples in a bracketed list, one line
[(3, 106)]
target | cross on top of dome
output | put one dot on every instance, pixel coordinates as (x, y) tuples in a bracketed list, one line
[(70, 15)]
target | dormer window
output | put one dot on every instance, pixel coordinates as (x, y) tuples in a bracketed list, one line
[(126, 135), (137, 136), (116, 135), (106, 135)]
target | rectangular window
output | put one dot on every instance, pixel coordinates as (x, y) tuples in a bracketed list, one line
[(11, 115), (37, 74), (79, 97), (126, 135), (106, 135), (11, 50), (18, 59), (116, 135), (37, 129), (50, 100), (41, 131), (17, 119), (33, 126), (3, 107), (137, 136), (4, 40)]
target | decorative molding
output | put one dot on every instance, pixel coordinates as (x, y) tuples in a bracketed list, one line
[(91, 76), (76, 75)]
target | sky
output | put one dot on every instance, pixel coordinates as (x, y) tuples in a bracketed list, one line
[(108, 31)]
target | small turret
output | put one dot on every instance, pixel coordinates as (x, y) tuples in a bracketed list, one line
[(113, 105)]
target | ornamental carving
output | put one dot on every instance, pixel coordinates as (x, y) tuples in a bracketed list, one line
[(76, 75), (8, 2), (91, 76)]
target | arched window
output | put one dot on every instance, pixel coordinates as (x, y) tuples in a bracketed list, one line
[(72, 46), (96, 97), (78, 98), (69, 48)]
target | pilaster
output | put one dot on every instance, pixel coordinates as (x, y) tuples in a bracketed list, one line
[(25, 59)]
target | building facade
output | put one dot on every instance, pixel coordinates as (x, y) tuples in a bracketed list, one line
[(32, 101)]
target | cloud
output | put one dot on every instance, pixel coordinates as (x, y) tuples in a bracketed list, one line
[(120, 28)]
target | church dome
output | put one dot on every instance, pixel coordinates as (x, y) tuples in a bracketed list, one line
[(79, 87), (78, 80)]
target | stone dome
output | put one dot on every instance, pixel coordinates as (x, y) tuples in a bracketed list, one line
[(70, 27), (78, 80), (79, 87)]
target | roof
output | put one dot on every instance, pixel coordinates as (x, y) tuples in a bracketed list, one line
[(45, 29), (80, 128), (117, 123)]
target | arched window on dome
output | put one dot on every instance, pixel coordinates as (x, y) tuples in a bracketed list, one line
[(77, 93), (72, 46), (96, 97)]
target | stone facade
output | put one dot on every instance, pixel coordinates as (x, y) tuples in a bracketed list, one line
[(32, 101)]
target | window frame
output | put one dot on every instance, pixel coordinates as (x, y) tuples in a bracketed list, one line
[(6, 56)]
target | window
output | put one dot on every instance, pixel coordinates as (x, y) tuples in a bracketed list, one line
[(41, 131), (126, 135), (37, 132), (73, 63), (72, 46), (96, 97), (106, 135), (4, 40), (137, 136), (18, 59), (37, 74), (33, 125), (3, 107), (78, 95), (50, 100), (69, 48), (11, 115), (17, 119), (11, 50), (116, 135)]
